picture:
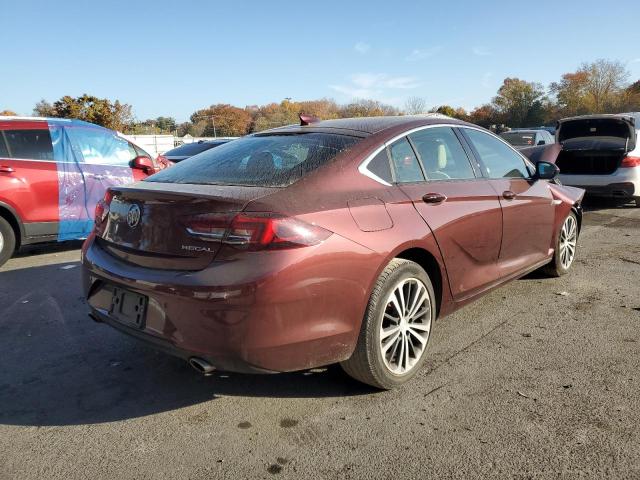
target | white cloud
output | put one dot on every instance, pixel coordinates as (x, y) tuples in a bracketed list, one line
[(362, 47), (481, 51), (421, 54), (375, 85)]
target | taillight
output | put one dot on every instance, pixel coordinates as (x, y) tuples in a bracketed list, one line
[(102, 207), (628, 162), (256, 231)]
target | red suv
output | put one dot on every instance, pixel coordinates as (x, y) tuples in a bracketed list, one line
[(52, 174)]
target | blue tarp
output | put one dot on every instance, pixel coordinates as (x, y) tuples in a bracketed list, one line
[(89, 159)]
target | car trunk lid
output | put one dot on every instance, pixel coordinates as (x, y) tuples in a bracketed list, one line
[(147, 224), (594, 144)]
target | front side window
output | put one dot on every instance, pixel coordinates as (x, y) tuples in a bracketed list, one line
[(260, 160), (405, 162), (29, 144), (100, 147), (500, 160), (442, 154)]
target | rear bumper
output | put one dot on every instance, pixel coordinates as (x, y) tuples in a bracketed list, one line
[(255, 312), (623, 183)]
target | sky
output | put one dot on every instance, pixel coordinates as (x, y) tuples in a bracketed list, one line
[(172, 58)]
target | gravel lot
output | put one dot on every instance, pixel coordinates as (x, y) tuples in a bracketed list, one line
[(538, 379)]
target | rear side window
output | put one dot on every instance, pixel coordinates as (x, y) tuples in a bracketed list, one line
[(500, 160), (29, 144), (380, 167), (260, 160), (442, 154), (405, 162), (100, 146)]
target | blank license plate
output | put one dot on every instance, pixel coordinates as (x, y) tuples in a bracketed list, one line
[(128, 307)]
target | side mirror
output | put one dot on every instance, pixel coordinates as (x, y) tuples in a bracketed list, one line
[(541, 142), (546, 171), (143, 163)]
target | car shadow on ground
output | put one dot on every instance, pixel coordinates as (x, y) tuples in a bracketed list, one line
[(44, 248), (61, 368)]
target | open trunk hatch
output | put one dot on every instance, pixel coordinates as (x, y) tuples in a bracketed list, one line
[(594, 144), (147, 223)]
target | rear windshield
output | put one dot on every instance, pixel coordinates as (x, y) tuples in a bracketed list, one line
[(190, 149), (519, 139), (261, 160)]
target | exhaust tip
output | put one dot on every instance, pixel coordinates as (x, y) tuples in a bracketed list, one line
[(201, 366)]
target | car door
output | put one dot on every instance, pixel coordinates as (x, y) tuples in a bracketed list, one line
[(527, 204), (28, 175), (433, 169)]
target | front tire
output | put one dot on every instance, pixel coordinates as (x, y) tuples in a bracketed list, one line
[(566, 246), (396, 327), (7, 241)]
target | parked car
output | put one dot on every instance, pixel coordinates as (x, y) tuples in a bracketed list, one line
[(333, 241), (188, 150), (600, 154), (527, 138), (52, 174)]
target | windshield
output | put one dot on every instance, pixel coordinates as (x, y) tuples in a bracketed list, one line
[(519, 139), (262, 160)]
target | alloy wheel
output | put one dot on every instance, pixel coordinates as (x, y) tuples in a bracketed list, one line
[(568, 241), (405, 327)]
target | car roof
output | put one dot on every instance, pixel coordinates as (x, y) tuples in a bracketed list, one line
[(364, 126), (52, 120)]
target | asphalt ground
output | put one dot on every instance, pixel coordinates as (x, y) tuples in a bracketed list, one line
[(538, 379)]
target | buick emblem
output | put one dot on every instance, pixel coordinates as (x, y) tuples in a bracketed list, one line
[(133, 215)]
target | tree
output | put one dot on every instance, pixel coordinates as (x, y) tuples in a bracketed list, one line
[(223, 120), (597, 87), (415, 106), (485, 116), (101, 111), (153, 126), (367, 108), (8, 113), (520, 103)]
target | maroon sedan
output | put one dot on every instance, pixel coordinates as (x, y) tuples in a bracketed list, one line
[(332, 241)]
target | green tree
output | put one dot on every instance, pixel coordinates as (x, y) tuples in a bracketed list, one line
[(101, 111), (520, 103)]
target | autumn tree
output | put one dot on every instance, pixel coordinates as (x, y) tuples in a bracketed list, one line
[(597, 87), (8, 113), (101, 111), (485, 116), (222, 120), (520, 103)]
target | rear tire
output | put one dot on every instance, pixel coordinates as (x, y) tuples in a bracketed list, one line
[(637, 202), (565, 248), (393, 340), (7, 241)]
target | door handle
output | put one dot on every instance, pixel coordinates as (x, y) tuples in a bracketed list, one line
[(6, 169), (509, 195), (434, 198)]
